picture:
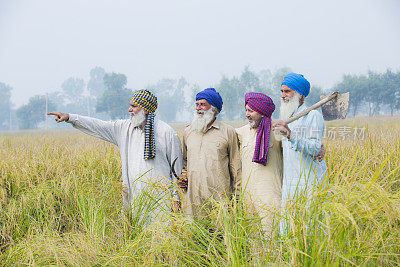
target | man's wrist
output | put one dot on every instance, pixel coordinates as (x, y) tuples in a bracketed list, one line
[(71, 118)]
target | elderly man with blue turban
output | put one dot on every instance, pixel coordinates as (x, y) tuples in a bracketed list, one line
[(148, 147), (302, 139), (210, 153)]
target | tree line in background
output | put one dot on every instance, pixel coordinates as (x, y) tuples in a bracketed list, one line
[(372, 94), (106, 96)]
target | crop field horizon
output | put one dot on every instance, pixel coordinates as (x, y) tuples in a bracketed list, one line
[(61, 204)]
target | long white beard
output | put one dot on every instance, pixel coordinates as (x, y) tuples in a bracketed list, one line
[(138, 119), (287, 109), (200, 123)]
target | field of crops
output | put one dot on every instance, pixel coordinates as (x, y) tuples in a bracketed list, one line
[(61, 204)]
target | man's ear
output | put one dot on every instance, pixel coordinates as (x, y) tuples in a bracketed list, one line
[(146, 112)]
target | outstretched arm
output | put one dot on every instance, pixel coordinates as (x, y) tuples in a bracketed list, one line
[(105, 130)]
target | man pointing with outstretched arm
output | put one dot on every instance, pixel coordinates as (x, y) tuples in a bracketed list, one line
[(149, 147)]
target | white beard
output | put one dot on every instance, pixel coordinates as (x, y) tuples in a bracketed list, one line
[(200, 123), (138, 119), (287, 109)]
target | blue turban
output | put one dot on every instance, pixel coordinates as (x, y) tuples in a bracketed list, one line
[(297, 82), (211, 96)]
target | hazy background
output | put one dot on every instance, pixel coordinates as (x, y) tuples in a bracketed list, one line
[(44, 42)]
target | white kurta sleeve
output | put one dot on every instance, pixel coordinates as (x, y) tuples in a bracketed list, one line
[(309, 137), (106, 130)]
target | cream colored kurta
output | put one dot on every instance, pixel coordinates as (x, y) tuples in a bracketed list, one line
[(213, 163), (262, 184)]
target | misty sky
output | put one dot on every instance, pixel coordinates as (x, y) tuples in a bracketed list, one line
[(44, 42)]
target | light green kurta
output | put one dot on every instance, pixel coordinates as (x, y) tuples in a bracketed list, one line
[(262, 184)]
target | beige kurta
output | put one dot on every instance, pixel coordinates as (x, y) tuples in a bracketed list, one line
[(213, 163), (262, 184)]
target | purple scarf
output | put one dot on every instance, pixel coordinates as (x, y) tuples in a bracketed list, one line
[(264, 105)]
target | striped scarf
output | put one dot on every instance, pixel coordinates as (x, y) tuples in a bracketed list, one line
[(146, 100), (264, 105)]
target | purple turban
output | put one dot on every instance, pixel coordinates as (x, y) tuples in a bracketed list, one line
[(211, 96), (297, 82), (264, 105)]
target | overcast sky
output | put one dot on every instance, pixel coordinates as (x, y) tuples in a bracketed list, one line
[(44, 42)]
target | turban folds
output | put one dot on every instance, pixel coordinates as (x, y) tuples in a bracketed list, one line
[(264, 105), (297, 82), (147, 101), (211, 96)]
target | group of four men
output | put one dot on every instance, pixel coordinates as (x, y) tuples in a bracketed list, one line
[(216, 158)]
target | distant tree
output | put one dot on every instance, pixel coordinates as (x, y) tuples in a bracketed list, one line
[(396, 91), (356, 85), (58, 98), (266, 82), (397, 105), (115, 81), (115, 99), (391, 90), (169, 94), (96, 86), (73, 88), (232, 94), (115, 103), (277, 78), (314, 95), (249, 80), (233, 89), (31, 114), (189, 106), (374, 92), (74, 100), (5, 105), (182, 83)]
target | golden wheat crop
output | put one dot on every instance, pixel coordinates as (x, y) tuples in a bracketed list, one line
[(60, 201)]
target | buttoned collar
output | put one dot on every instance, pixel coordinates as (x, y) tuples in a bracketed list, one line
[(216, 124)]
